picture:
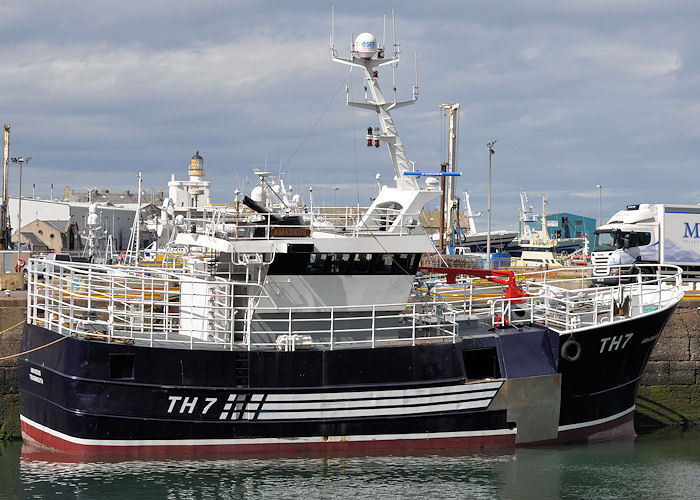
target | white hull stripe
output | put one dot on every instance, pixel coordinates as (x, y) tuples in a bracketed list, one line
[(569, 427), (266, 414), (249, 441), (376, 403), (394, 393)]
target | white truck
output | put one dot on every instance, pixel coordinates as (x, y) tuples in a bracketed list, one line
[(648, 233)]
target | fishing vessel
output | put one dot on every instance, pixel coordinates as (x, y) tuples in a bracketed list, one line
[(272, 333), (535, 247)]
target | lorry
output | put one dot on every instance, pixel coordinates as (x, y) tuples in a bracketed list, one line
[(648, 234)]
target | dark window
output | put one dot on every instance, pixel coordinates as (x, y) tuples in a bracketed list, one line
[(340, 263), (481, 363), (643, 239), (361, 263), (578, 223), (121, 366), (402, 263), (382, 263), (344, 263), (318, 263)]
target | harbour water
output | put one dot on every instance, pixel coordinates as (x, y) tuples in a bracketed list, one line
[(661, 465)]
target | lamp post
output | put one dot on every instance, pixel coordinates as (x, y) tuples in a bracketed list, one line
[(21, 160), (488, 223), (335, 196), (600, 204)]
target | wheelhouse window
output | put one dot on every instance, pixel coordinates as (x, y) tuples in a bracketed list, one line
[(344, 263)]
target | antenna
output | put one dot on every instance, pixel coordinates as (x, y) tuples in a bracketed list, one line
[(393, 22), (415, 87), (384, 33), (333, 31)]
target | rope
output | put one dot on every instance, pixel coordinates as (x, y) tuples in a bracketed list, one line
[(13, 327), (32, 350)]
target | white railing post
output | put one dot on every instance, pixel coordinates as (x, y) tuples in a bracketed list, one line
[(289, 328), (332, 325), (413, 324), (374, 314)]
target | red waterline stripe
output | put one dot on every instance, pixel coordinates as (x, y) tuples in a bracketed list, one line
[(46, 439)]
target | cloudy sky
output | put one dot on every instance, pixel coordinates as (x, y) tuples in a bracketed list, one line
[(576, 94)]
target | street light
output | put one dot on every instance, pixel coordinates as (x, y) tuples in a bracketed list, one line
[(21, 160), (488, 224), (600, 204), (335, 196)]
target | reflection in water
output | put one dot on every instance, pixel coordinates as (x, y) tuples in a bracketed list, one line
[(664, 466)]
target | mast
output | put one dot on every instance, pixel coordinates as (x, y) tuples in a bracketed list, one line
[(470, 214), (137, 218), (450, 200), (362, 55)]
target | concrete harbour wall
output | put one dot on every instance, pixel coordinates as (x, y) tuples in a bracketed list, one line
[(12, 312)]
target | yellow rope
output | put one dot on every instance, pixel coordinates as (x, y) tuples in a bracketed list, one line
[(32, 350), (12, 327)]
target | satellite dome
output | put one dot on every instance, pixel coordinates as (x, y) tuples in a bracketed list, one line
[(257, 194), (365, 45)]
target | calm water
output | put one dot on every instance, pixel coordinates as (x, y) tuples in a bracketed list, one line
[(659, 466)]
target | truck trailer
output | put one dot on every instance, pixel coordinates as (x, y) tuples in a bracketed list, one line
[(649, 234)]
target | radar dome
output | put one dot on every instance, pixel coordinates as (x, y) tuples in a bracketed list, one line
[(365, 45)]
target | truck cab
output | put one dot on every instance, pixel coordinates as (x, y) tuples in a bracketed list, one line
[(630, 236)]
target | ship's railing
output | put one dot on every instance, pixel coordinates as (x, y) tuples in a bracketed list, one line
[(564, 299), (190, 308), (260, 226)]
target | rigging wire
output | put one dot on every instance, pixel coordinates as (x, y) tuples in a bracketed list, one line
[(313, 127)]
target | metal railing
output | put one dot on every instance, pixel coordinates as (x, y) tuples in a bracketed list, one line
[(191, 309), (563, 299), (263, 226)]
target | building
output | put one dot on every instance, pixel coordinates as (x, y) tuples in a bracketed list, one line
[(49, 236), (193, 193), (105, 197), (565, 225), (113, 220)]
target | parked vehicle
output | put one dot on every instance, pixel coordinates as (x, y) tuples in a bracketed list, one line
[(648, 234)]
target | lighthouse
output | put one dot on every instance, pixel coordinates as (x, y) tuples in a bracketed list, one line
[(193, 193)]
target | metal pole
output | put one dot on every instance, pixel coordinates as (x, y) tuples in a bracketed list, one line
[(19, 217), (600, 204), (443, 168), (488, 228), (138, 220)]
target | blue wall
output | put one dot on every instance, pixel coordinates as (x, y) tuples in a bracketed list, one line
[(579, 226)]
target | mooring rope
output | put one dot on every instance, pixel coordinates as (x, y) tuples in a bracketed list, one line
[(13, 327), (35, 349)]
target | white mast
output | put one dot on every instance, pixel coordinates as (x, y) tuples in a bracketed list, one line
[(450, 200), (362, 56), (470, 214)]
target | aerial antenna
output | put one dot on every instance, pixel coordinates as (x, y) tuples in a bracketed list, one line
[(332, 29), (397, 50), (393, 66), (415, 87), (384, 33)]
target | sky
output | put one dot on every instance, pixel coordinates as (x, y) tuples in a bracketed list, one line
[(577, 94)]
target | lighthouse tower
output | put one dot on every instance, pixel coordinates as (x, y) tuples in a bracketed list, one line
[(193, 193)]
